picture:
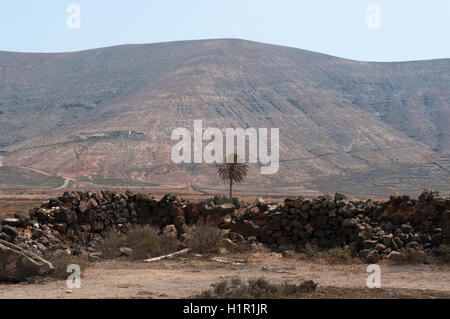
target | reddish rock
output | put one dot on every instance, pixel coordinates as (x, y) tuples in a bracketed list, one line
[(93, 203), (304, 215), (277, 234), (83, 206), (254, 211), (245, 228), (309, 228), (61, 228)]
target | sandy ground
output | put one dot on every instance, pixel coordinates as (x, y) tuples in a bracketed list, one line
[(186, 276)]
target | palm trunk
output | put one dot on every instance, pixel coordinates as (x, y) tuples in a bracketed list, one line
[(76, 182), (231, 190)]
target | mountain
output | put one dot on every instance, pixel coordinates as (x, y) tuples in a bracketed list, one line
[(358, 127)]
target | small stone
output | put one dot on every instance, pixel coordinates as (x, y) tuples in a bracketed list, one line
[(126, 251), (406, 228), (170, 231), (387, 240), (5, 237), (369, 244), (349, 223), (364, 253), (95, 256), (14, 222), (277, 234), (397, 243), (10, 231), (373, 257), (83, 206), (61, 228), (23, 217), (339, 196), (395, 257), (226, 208), (288, 254), (179, 222), (229, 244), (223, 251), (77, 251), (304, 215), (414, 245), (436, 239), (227, 219), (93, 203), (254, 211), (309, 228)]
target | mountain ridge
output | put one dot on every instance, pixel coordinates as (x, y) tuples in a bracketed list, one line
[(361, 111), (218, 39)]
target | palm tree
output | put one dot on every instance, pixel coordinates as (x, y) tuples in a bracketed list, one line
[(232, 172)]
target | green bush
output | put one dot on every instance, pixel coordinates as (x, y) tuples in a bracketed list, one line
[(220, 200)]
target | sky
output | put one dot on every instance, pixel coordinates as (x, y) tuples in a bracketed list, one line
[(374, 30)]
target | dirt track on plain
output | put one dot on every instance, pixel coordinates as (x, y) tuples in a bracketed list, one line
[(186, 276)]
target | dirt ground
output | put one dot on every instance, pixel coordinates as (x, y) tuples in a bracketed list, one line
[(186, 276)]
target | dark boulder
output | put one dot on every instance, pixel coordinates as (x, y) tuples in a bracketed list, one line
[(17, 264)]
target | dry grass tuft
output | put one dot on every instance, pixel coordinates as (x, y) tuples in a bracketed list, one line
[(145, 241), (61, 262), (336, 254), (258, 288), (443, 253), (203, 238)]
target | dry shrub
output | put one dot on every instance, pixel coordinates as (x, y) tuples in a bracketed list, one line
[(61, 262), (339, 253), (203, 238), (334, 254), (258, 288), (146, 242), (443, 253)]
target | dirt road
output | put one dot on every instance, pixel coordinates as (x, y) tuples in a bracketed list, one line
[(187, 276), (66, 179), (66, 183)]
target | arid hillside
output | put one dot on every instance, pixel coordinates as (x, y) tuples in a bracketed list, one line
[(356, 127)]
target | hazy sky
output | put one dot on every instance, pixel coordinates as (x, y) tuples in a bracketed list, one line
[(403, 29)]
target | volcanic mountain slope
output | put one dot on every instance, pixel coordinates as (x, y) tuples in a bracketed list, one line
[(358, 127)]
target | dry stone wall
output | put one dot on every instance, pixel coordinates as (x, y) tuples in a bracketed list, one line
[(372, 229)]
